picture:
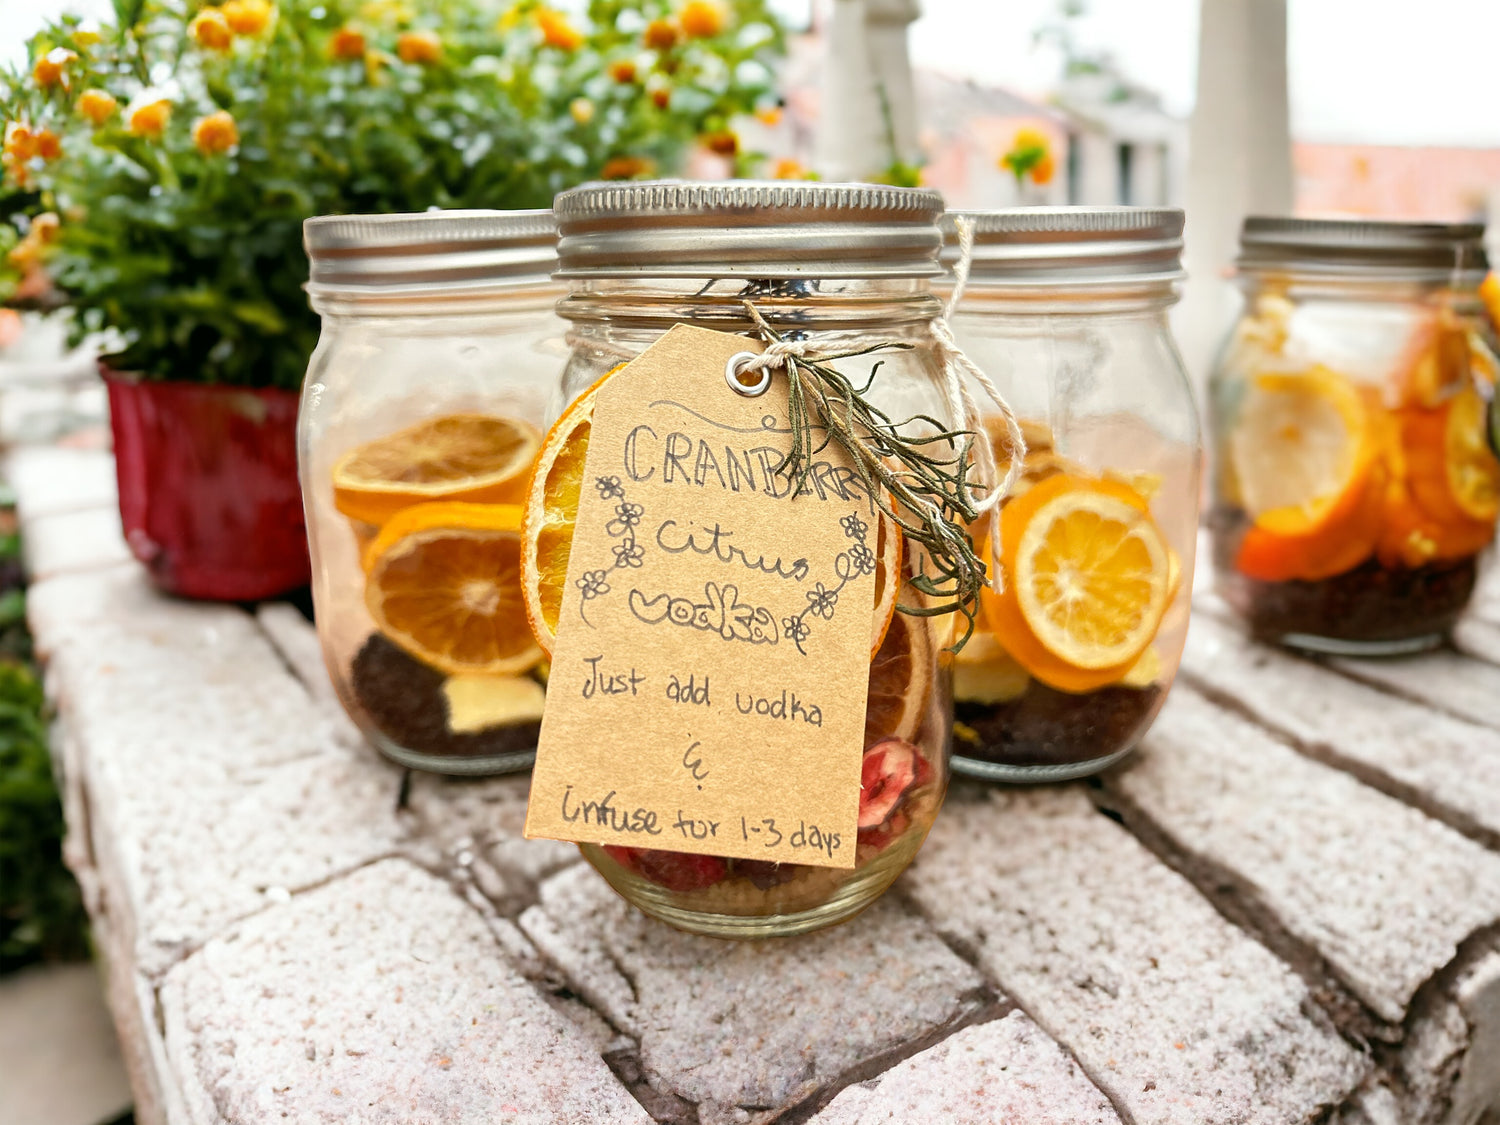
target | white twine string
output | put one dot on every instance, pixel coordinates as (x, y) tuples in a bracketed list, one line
[(988, 490), (990, 494)]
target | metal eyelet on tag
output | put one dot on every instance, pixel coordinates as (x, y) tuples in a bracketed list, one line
[(735, 368)]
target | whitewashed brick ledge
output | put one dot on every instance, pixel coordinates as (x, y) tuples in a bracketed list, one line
[(1285, 909)]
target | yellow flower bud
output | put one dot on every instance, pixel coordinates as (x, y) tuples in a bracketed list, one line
[(149, 119), (210, 30), (49, 68), (347, 43), (557, 31), (216, 133), (582, 110), (660, 35), (97, 105), (247, 17), (419, 47), (20, 143), (626, 168), (703, 19)]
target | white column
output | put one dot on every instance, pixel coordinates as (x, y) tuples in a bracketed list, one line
[(886, 22), (851, 137), (1239, 158)]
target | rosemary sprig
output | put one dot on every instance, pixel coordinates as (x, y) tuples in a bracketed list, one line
[(920, 482)]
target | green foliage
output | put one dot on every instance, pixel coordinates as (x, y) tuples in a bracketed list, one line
[(195, 255), (41, 916)]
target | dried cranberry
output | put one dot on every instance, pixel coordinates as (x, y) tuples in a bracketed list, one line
[(890, 767), (676, 871)]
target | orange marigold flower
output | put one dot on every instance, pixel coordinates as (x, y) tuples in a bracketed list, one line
[(49, 68), (48, 145), (769, 116), (150, 118), (421, 46), (20, 143), (788, 169), (26, 255), (347, 43), (210, 30), (661, 97), (660, 35), (97, 105), (703, 19), (722, 142), (626, 168), (215, 133), (557, 31), (1042, 171), (622, 70), (247, 17), (44, 228)]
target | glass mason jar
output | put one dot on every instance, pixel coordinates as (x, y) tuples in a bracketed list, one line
[(1354, 489), (841, 265), (1066, 311), (439, 365)]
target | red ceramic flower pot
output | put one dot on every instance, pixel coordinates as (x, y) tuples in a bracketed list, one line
[(208, 486)]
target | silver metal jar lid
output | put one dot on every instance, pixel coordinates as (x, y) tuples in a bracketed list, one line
[(391, 255), (746, 228), (1423, 253), (1067, 247)]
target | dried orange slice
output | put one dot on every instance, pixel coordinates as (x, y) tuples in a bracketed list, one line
[(1454, 476), (444, 583), (1087, 581), (900, 680), (552, 515), (1300, 447), (1410, 537), (474, 458), (552, 512)]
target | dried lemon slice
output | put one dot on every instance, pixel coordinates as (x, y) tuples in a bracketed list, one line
[(1089, 579), (1300, 445)]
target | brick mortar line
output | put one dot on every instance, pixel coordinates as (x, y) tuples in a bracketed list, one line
[(964, 953), (1347, 670), (1424, 1004), (1238, 902), (1371, 775), (988, 1007)]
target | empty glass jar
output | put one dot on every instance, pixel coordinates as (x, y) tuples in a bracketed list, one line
[(438, 367), (1355, 490), (1065, 310), (839, 265)]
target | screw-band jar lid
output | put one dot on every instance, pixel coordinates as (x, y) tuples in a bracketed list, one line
[(1356, 249), (389, 255), (747, 229), (1067, 247)]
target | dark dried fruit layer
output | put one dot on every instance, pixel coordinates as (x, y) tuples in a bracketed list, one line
[(1369, 603), (404, 699), (1047, 727)]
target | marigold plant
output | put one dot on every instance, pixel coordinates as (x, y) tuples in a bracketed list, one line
[(183, 147), (1030, 154)]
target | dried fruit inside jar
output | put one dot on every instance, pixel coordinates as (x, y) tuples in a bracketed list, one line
[(903, 774), (450, 668), (1066, 664), (1355, 511)]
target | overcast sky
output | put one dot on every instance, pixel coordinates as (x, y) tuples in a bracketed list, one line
[(1374, 71)]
